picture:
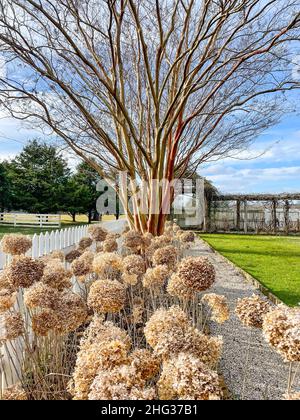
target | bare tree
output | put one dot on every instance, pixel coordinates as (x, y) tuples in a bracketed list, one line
[(149, 87)]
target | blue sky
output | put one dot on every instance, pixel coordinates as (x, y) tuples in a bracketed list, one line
[(272, 164)]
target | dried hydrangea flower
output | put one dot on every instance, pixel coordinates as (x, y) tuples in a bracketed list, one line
[(218, 305), (73, 255), (98, 233), (187, 237), (110, 245), (16, 244), (134, 264), (14, 393), (147, 239), (197, 273), (191, 341), (292, 396), (133, 240), (44, 322), (83, 265), (137, 314), (25, 271), (108, 265), (57, 255), (56, 276), (186, 378), (7, 300), (71, 311), (11, 326), (40, 295), (163, 321), (156, 277), (130, 279), (177, 288), (166, 256), (145, 363), (251, 311), (281, 329), (107, 296), (85, 243), (121, 383)]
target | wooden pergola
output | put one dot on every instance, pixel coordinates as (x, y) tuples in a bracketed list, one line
[(244, 199)]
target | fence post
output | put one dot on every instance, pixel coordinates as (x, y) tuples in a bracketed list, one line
[(287, 217), (35, 246), (245, 216)]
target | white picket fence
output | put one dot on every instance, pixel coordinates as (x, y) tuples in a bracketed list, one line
[(28, 220), (45, 243)]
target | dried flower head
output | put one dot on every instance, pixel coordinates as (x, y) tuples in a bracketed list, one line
[(110, 245), (134, 264), (120, 383), (25, 271), (16, 244), (186, 378), (133, 240), (138, 310), (177, 288), (83, 265), (145, 363), (14, 393), (166, 256), (219, 308), (251, 311), (40, 295), (197, 273), (147, 239), (85, 243), (44, 322), (73, 255), (130, 279), (281, 329), (108, 265), (57, 255), (98, 233), (163, 321), (156, 277), (71, 311), (11, 326), (187, 237), (107, 296), (56, 276)]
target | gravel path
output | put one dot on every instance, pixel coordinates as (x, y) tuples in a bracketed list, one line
[(267, 374)]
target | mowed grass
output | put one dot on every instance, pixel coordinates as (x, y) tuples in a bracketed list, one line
[(66, 223), (274, 261)]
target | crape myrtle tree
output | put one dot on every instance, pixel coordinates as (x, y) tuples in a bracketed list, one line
[(149, 87)]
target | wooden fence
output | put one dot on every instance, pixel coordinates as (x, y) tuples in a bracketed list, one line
[(28, 220), (45, 243)]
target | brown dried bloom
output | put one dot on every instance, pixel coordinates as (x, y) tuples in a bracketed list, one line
[(251, 311), (85, 243), (137, 313), (15, 244), (44, 322), (120, 383), (57, 255), (147, 239), (98, 233), (177, 288), (292, 396), (187, 237), (134, 264), (163, 321), (130, 279), (133, 240), (107, 296), (156, 277), (218, 304), (40, 295), (25, 271), (56, 276), (83, 265), (186, 378), (7, 299), (14, 393), (108, 265), (73, 255), (197, 273), (145, 363), (71, 311), (166, 256), (11, 326), (191, 341), (110, 245)]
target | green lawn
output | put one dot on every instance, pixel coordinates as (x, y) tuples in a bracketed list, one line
[(274, 261)]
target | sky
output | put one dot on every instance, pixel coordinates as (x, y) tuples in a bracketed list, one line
[(271, 165)]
